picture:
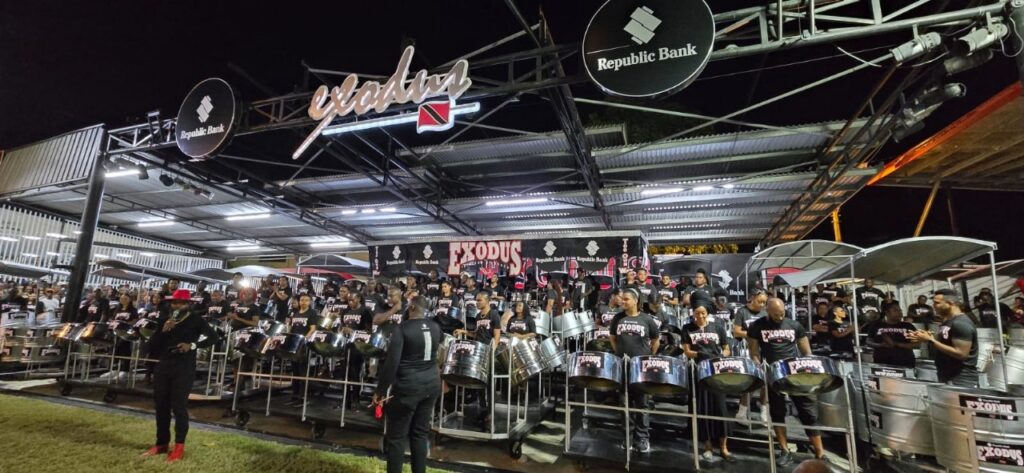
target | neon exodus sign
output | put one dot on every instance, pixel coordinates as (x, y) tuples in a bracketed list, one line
[(338, 101)]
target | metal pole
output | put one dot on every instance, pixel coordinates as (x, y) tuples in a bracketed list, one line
[(999, 316), (927, 208), (90, 218), (835, 225)]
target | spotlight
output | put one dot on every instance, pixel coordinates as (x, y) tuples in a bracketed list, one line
[(166, 180), (980, 38), (143, 172), (960, 63)]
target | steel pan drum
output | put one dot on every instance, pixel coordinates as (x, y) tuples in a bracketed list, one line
[(271, 328), (552, 353), (586, 321), (288, 346), (468, 364), (542, 322), (526, 359), (377, 345), (671, 344), (925, 370), (145, 328), (327, 343), (1014, 360), (252, 343), (123, 330), (658, 375), (989, 341), (442, 348), (568, 325), (601, 341), (1017, 337), (10, 352), (96, 333), (64, 333), (993, 416), (804, 375), (898, 413), (730, 375), (595, 370), (37, 353)]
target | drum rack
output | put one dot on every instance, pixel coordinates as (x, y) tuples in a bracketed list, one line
[(318, 415), (16, 355), (519, 417)]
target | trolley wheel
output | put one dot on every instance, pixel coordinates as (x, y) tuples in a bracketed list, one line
[(515, 449), (242, 418), (109, 396), (65, 389), (319, 430)]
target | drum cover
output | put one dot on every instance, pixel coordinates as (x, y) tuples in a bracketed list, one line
[(730, 375), (468, 364), (658, 375), (594, 370), (804, 376)]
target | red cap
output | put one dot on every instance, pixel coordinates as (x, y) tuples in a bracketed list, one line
[(181, 295)]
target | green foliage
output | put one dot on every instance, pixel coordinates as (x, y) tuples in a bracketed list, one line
[(643, 127)]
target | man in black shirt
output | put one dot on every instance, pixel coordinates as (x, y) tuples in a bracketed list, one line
[(869, 299), (410, 373), (200, 298), (487, 330), (668, 295), (700, 293), (174, 345), (955, 344), (635, 334), (889, 339), (235, 288), (986, 315), (921, 312), (774, 338), (645, 290), (432, 287)]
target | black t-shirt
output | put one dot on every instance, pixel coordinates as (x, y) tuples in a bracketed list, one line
[(432, 288), (521, 326), (358, 319), (707, 341), (920, 313), (701, 296), (744, 317), (282, 305), (232, 293), (821, 338), (304, 289), (411, 363), (301, 321), (485, 324), (251, 312), (987, 314), (634, 335), (957, 328), (200, 301), (218, 309), (897, 333), (841, 344), (188, 330), (445, 303), (869, 299), (667, 293), (776, 340)]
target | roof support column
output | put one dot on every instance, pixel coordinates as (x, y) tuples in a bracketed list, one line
[(90, 218), (927, 208)]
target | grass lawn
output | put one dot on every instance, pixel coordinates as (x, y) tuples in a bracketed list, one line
[(40, 437)]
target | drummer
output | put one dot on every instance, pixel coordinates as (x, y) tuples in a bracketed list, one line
[(246, 315), (518, 322), (703, 340), (921, 312), (889, 338), (304, 321), (774, 338), (700, 293), (634, 333), (667, 293), (392, 310), (356, 317), (841, 330), (746, 315), (446, 298), (955, 344), (646, 290), (821, 336), (488, 332), (219, 308), (234, 290)]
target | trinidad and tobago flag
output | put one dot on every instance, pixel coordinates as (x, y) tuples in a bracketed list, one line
[(435, 116)]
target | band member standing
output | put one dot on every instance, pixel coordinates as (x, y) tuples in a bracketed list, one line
[(556, 298), (889, 338), (355, 318), (175, 347), (704, 340), (745, 316), (646, 291), (668, 294), (487, 332), (955, 344), (634, 333), (410, 373), (700, 293), (774, 338), (518, 322), (819, 325), (304, 321), (841, 329)]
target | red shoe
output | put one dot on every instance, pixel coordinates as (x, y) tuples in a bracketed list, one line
[(177, 453), (155, 450)]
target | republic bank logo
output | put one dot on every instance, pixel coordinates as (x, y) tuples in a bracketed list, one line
[(550, 248), (205, 107), (642, 24)]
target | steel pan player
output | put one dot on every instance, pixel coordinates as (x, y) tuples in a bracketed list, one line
[(774, 338), (889, 338), (702, 340), (518, 322), (955, 343), (635, 333), (175, 346), (487, 332), (410, 372), (746, 315)]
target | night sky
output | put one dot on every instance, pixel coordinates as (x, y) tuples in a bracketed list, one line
[(65, 65)]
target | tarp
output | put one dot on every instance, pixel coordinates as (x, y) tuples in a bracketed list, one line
[(802, 255), (157, 273), (337, 264), (908, 260), (28, 271), (802, 278)]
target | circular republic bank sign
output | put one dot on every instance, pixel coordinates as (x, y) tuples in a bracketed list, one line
[(648, 48), (207, 118)]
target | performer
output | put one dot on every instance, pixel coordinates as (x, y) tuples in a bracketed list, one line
[(487, 332), (889, 339), (921, 312), (700, 293), (703, 340), (518, 322), (175, 346), (956, 344), (841, 329), (774, 338), (410, 373), (634, 333), (355, 318), (745, 316), (304, 321)]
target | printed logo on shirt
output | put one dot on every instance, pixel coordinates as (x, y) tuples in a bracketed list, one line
[(396, 317), (214, 310), (944, 334), (778, 335), (606, 318), (902, 332), (352, 319), (483, 324), (123, 316), (704, 338), (517, 326), (870, 295)]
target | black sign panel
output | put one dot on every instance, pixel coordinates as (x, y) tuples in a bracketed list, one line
[(393, 259), (428, 257), (550, 255), (206, 119), (648, 48)]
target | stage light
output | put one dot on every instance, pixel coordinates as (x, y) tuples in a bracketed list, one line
[(662, 191), (122, 172), (156, 223), (980, 38), (349, 212), (166, 180), (143, 172), (248, 217), (492, 203)]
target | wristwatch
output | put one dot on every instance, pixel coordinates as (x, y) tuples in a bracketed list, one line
[(193, 347)]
